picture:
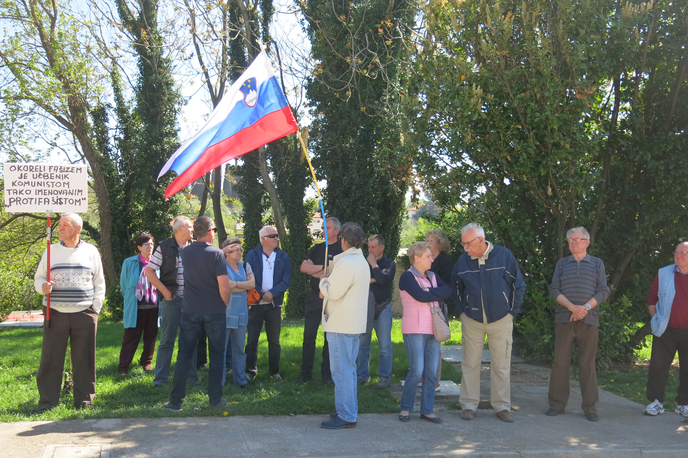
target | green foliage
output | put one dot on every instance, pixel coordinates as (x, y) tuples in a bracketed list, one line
[(535, 328), (253, 199), (356, 128), (535, 118)]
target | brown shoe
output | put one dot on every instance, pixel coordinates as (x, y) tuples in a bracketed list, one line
[(147, 368), (467, 414), (506, 416)]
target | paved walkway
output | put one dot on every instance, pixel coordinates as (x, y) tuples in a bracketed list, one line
[(621, 432)]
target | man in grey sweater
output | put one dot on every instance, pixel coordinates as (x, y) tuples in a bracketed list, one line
[(579, 285)]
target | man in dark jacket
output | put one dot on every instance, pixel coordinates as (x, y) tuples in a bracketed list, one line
[(272, 269), (489, 290), (167, 259)]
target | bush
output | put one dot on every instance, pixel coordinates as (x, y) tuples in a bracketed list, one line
[(16, 292), (534, 327)]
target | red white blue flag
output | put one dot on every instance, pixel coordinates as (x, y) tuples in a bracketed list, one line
[(251, 114)]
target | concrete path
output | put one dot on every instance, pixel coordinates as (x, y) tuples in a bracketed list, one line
[(622, 432)]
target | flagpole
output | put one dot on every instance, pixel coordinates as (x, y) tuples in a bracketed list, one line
[(317, 189)]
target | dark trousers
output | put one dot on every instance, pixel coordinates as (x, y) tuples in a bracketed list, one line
[(146, 325), (586, 336), (312, 320), (190, 327), (272, 316), (79, 329), (202, 350), (664, 349)]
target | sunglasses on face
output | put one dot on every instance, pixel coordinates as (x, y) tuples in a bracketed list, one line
[(272, 236)]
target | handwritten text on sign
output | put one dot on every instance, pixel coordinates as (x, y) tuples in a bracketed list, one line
[(42, 187)]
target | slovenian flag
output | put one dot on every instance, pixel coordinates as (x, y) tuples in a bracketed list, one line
[(251, 114)]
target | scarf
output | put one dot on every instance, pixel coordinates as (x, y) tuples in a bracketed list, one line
[(144, 288)]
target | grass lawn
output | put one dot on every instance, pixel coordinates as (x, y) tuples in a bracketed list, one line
[(133, 395)]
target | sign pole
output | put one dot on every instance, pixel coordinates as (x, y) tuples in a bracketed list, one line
[(49, 240)]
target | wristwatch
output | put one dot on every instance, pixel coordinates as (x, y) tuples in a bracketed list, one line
[(587, 307)]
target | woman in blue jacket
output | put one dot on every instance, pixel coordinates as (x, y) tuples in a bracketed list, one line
[(140, 307)]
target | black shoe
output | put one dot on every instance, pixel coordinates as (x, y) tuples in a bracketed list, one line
[(169, 406), (337, 423), (592, 417), (220, 403), (327, 380), (303, 378), (553, 413), (436, 420), (250, 376)]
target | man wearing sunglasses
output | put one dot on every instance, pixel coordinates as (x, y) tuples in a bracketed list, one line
[(272, 270)]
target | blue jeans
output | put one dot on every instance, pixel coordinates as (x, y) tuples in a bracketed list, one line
[(191, 325), (343, 351), (228, 355), (383, 331), (423, 355), (234, 346), (170, 312)]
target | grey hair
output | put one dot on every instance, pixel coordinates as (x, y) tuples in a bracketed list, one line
[(180, 221), (477, 228), (442, 240), (417, 249), (202, 226), (353, 235), (578, 229), (76, 219), (264, 230), (335, 222)]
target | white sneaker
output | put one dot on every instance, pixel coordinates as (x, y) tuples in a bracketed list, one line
[(682, 410), (655, 408)]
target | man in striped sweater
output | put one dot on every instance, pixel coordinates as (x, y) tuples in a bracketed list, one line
[(77, 290), (579, 286)]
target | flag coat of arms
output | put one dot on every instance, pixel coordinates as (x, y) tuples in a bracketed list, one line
[(252, 113)]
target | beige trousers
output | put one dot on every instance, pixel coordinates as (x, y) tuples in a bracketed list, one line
[(500, 339)]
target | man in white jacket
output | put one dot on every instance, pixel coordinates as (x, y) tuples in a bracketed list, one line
[(345, 315)]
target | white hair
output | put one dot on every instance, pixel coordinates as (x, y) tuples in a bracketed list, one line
[(581, 229), (76, 219), (180, 221), (264, 231), (476, 228)]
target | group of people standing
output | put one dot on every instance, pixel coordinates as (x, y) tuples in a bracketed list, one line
[(189, 286)]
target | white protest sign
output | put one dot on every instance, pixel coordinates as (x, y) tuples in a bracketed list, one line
[(45, 187)]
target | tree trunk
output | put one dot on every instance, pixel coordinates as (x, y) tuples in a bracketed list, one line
[(204, 196), (217, 205), (272, 192)]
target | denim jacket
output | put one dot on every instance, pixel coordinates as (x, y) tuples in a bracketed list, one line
[(667, 291)]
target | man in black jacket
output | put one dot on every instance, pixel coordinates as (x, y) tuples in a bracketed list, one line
[(167, 259), (382, 272)]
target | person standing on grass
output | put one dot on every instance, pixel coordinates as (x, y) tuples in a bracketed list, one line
[(313, 265), (206, 295), (489, 291), (344, 318), (140, 307), (579, 286), (272, 270), (382, 272), (168, 261), (668, 307), (77, 291)]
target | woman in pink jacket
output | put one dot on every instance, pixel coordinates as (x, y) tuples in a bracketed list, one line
[(420, 289)]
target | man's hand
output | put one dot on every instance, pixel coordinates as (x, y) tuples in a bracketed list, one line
[(578, 313), (372, 260), (320, 295), (166, 294), (47, 287), (267, 295)]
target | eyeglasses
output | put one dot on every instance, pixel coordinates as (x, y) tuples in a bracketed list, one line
[(680, 253), (465, 244), (272, 236), (213, 230), (579, 240)]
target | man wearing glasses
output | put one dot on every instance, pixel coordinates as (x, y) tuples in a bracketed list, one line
[(579, 286), (488, 289), (272, 270), (668, 307), (206, 296)]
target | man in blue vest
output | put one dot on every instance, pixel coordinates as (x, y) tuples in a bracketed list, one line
[(272, 269), (668, 307)]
